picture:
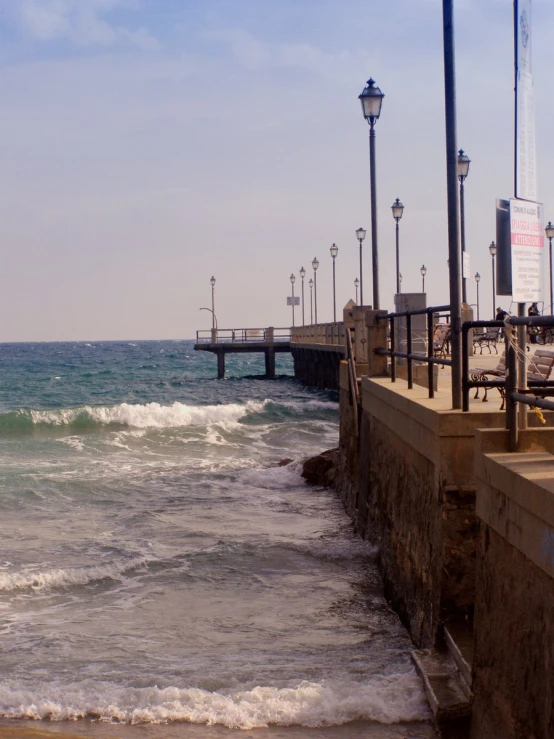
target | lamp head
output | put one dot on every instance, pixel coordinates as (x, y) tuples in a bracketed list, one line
[(371, 99), (360, 234), (356, 282), (423, 270), (397, 210), (212, 281), (292, 278), (334, 251), (302, 272), (492, 249), (315, 263), (463, 165), (549, 230), (477, 277)]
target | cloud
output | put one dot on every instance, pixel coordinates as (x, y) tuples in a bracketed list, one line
[(244, 46), (83, 22)]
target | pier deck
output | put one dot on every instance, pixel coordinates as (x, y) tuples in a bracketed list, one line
[(224, 341)]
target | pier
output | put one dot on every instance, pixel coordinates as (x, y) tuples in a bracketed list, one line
[(221, 342)]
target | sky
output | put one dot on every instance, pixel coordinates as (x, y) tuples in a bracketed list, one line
[(146, 145)]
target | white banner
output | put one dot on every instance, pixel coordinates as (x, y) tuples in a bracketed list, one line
[(527, 239), (526, 169), (466, 266)]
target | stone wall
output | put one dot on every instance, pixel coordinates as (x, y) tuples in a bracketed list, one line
[(514, 626)]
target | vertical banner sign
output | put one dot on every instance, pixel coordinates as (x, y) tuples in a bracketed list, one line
[(525, 157), (527, 236)]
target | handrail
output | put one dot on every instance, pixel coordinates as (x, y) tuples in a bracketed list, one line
[(242, 335), (410, 355), (352, 380)]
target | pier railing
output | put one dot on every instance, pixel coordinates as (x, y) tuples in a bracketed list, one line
[(243, 335), (321, 333), (401, 334)]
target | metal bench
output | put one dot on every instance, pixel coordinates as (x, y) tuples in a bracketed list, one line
[(489, 339)]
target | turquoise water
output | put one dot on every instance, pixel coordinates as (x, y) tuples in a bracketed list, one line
[(160, 569)]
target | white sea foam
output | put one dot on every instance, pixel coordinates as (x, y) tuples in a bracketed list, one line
[(150, 415), (55, 578), (388, 700)]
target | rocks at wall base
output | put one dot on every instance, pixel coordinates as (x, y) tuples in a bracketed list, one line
[(321, 469)]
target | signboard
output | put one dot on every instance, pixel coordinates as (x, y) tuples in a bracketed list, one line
[(295, 299), (527, 242), (466, 266), (525, 155)]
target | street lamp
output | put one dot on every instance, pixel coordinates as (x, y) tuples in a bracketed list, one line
[(311, 284), (315, 265), (212, 283), (292, 281), (360, 235), (302, 275), (356, 284), (397, 211), (463, 169), (371, 99), (549, 231), (477, 278), (334, 251), (492, 251), (423, 271)]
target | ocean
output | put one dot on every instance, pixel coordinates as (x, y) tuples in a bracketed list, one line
[(164, 569)]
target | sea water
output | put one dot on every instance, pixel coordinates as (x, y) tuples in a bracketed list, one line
[(165, 570)]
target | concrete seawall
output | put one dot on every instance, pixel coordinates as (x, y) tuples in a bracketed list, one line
[(466, 536)]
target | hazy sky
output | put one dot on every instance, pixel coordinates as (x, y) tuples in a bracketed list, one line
[(148, 144)]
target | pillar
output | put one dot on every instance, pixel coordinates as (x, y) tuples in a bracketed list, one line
[(220, 365), (270, 363)]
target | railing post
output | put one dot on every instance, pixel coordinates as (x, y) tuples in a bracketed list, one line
[(509, 389), (392, 345), (430, 353), (214, 336), (465, 368), (269, 334), (410, 363)]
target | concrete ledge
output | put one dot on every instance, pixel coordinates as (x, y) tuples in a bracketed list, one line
[(516, 498)]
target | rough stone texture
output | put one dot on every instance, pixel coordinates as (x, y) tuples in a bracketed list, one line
[(514, 644), (347, 477), (321, 469), (399, 491), (317, 367)]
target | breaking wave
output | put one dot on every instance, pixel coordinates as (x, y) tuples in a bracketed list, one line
[(387, 699), (149, 415)]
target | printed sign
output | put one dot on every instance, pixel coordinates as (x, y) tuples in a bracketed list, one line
[(466, 266), (526, 168), (527, 241), (296, 300)]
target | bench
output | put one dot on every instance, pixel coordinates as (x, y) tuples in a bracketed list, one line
[(441, 340), (539, 369), (488, 339)]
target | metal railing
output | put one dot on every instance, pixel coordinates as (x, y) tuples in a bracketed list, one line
[(433, 313), (242, 335)]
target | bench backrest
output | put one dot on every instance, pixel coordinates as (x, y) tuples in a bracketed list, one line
[(540, 365)]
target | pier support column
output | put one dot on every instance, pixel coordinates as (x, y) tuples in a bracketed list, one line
[(270, 363), (220, 365)]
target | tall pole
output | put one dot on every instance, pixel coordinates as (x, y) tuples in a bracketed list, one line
[(452, 200), (334, 295), (361, 276), (551, 300), (374, 251), (311, 284), (356, 283), (493, 286), (292, 278), (463, 237), (302, 275), (398, 257), (477, 279), (212, 282), (315, 296)]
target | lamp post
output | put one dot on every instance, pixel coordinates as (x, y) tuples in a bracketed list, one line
[(315, 265), (549, 231), (371, 99), (311, 284), (302, 275), (292, 281), (492, 251), (423, 271), (463, 169), (334, 251), (356, 284), (212, 283), (397, 211), (477, 278), (360, 235)]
